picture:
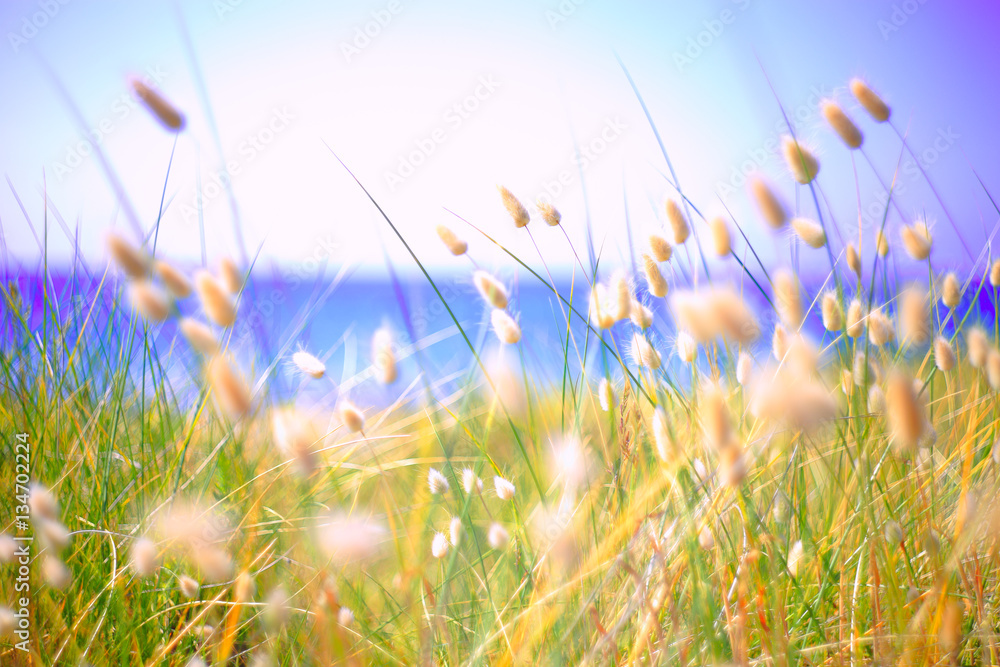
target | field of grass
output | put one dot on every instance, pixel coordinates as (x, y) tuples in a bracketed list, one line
[(704, 484)]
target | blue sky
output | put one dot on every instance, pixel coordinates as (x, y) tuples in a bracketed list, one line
[(440, 101)]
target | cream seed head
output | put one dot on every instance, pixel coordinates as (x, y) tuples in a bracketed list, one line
[(296, 437), (795, 557), (176, 282), (855, 319), (437, 482), (189, 586), (993, 368), (505, 489), (244, 588), (880, 328), (810, 232), (914, 315), (643, 354), (788, 299), (678, 223), (853, 259), (132, 261), (8, 548), (351, 416), (721, 241), (42, 503), (641, 316), (55, 573), (384, 356), (345, 617), (666, 447), (149, 301), (600, 314), (881, 243), (144, 557), (605, 395), (309, 364), (833, 315), (907, 422), (214, 299), (660, 247), (491, 289), (744, 368), (706, 539), (770, 206), (686, 346), (873, 104), (916, 240), (505, 327), (230, 390), (455, 530), (800, 160), (978, 346), (497, 537), (944, 354), (995, 274), (655, 281), (951, 291), (841, 124), (165, 112), (231, 276), (455, 245), (514, 207), (549, 213), (199, 336), (619, 296), (470, 482)]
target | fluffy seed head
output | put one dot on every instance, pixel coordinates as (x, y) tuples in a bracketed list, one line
[(744, 367), (951, 291), (687, 347), (505, 327), (876, 399), (872, 103), (644, 354), (706, 540), (855, 320), (881, 243), (995, 274), (841, 124), (907, 422), (678, 223), (655, 281), (600, 313), (914, 315), (230, 390), (666, 446), (497, 537), (153, 100), (188, 586), (505, 489), (175, 281), (916, 240), (347, 539), (801, 162), (771, 208), (470, 482), (214, 299), (455, 530), (880, 328), (296, 437), (978, 346), (149, 301), (345, 617), (129, 259), (144, 556), (716, 422), (993, 368), (244, 588), (55, 573), (309, 364), (514, 207), (455, 245), (641, 316), (619, 296), (721, 241), (788, 299), (732, 466), (833, 315), (944, 354), (795, 556), (606, 394), (660, 247), (549, 213), (384, 356), (893, 533), (810, 232), (437, 482), (439, 545), (491, 289), (199, 336), (42, 503), (351, 416), (853, 259)]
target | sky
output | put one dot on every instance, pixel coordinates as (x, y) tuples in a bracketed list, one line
[(433, 103)]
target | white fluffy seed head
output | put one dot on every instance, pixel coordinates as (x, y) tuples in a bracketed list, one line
[(455, 245), (42, 503), (188, 586), (644, 354), (309, 364), (491, 289), (833, 315), (345, 617), (505, 489), (810, 231), (855, 319), (686, 346), (873, 104), (914, 315), (978, 346), (497, 537), (296, 437), (666, 447), (8, 548), (744, 368), (214, 299), (437, 482), (706, 540), (800, 160), (944, 354), (470, 482), (149, 301), (605, 394), (346, 540), (455, 530), (788, 298), (144, 557), (795, 557), (641, 316), (505, 327), (951, 291), (175, 281), (678, 223), (351, 416), (439, 545), (199, 336), (384, 356), (880, 328)]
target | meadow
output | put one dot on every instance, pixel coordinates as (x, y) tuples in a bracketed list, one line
[(720, 472)]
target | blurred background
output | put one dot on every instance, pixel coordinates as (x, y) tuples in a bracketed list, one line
[(433, 103)]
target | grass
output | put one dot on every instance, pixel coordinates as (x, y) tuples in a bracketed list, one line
[(794, 518)]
